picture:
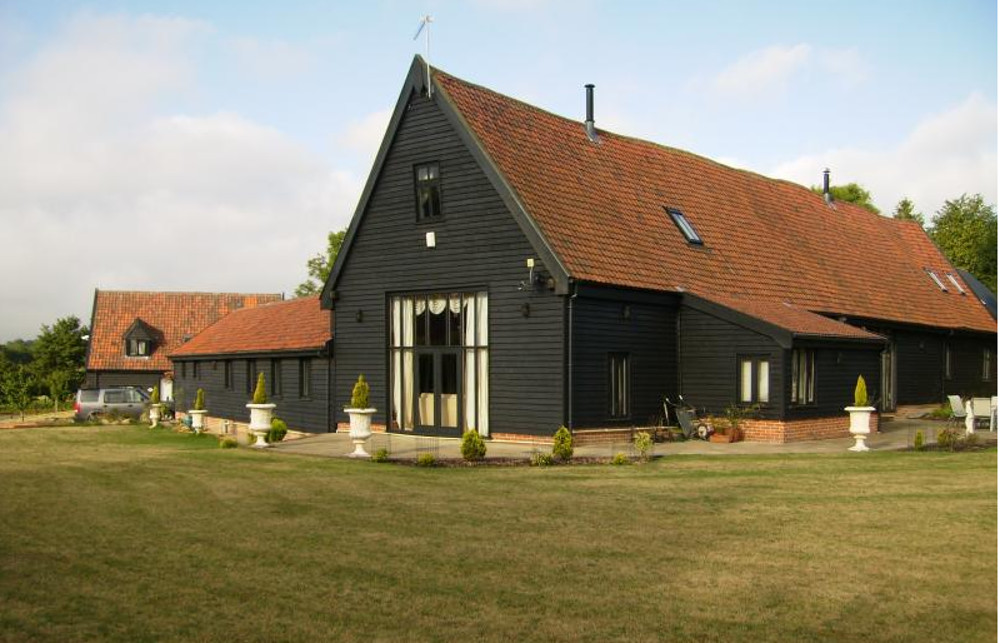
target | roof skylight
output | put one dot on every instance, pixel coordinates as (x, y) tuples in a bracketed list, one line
[(937, 280), (685, 227), (954, 280)]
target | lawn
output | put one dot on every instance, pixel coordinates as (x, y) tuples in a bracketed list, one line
[(127, 533)]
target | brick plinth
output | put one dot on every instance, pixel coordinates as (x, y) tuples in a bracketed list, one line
[(782, 431)]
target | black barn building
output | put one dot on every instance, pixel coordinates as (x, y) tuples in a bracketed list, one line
[(510, 270)]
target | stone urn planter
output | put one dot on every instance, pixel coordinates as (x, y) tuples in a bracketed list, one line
[(860, 416), (260, 422), (361, 418), (361, 430), (198, 412), (155, 413), (197, 420)]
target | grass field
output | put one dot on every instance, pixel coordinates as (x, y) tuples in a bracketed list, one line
[(125, 533)]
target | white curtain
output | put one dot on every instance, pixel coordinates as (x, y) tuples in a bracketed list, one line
[(482, 319), (763, 382), (470, 389), (437, 304), (484, 391), (397, 366), (746, 381), (455, 304), (406, 419)]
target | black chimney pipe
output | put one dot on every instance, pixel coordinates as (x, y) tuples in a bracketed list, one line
[(826, 186), (589, 123)]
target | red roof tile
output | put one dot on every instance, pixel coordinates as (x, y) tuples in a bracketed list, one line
[(296, 324), (792, 318), (601, 208), (172, 315)]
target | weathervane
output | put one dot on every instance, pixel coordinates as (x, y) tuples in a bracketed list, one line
[(425, 22)]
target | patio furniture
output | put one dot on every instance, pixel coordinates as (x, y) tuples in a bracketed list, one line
[(957, 410), (982, 410)]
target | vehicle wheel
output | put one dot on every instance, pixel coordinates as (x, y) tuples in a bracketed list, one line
[(94, 417)]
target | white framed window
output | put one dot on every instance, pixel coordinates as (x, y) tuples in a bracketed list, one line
[(619, 385), (803, 376), (947, 360), (955, 282), (682, 223), (755, 379), (137, 348), (937, 280)]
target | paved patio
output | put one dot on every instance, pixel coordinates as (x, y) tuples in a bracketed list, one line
[(895, 435)]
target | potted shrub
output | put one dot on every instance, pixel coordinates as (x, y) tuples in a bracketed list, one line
[(260, 414), (155, 408), (198, 412), (860, 414), (361, 418)]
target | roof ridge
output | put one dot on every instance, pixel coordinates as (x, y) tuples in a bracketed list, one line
[(628, 137)]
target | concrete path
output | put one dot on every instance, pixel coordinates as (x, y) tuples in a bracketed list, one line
[(895, 435)]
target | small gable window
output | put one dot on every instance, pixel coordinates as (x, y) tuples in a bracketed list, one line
[(137, 348), (428, 181), (685, 227), (937, 280)]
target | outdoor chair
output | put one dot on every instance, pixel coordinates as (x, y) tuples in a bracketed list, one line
[(957, 410), (982, 410)]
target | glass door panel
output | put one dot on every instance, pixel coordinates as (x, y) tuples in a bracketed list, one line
[(425, 389), (449, 390)]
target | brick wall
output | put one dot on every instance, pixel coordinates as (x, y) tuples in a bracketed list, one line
[(344, 427), (781, 431)]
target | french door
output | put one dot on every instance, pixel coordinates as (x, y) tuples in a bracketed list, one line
[(437, 395), (439, 363)]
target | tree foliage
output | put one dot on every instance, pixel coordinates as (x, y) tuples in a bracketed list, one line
[(906, 211), (59, 357), (851, 193), (965, 229), (320, 265), (16, 388)]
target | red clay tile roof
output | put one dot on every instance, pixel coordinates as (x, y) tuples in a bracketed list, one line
[(173, 315), (601, 208), (792, 318), (296, 324)]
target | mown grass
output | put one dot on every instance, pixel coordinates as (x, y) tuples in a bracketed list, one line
[(126, 533)]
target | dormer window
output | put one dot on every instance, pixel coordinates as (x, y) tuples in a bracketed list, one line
[(685, 227), (137, 348), (428, 191), (955, 282), (937, 280), (139, 339)]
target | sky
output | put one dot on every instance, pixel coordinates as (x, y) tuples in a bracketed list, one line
[(210, 146)]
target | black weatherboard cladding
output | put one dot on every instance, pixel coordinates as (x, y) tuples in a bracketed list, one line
[(479, 246), (709, 352), (837, 370), (301, 414), (647, 332)]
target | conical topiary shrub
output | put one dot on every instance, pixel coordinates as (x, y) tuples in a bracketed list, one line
[(359, 396), (861, 392), (562, 444), (260, 393), (154, 397), (199, 400)]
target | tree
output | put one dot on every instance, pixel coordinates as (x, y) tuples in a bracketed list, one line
[(320, 265), (905, 211), (59, 354), (15, 388), (851, 193), (965, 229)]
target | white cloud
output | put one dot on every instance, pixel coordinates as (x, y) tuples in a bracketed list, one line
[(762, 71), (944, 156), (270, 58), (846, 64), (99, 189), (365, 135), (768, 71)]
